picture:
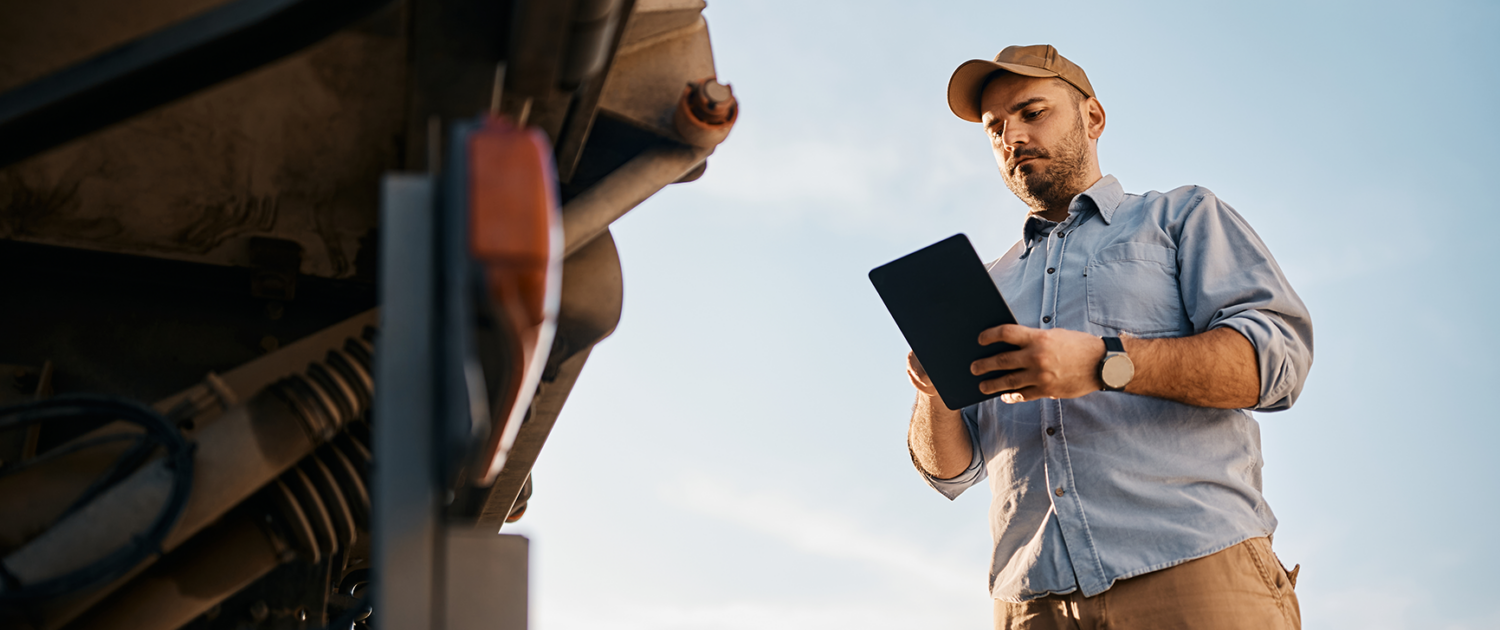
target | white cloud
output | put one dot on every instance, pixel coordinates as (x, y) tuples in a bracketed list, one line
[(822, 532), (921, 588)]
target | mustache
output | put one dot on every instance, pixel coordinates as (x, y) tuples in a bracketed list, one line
[(1025, 153)]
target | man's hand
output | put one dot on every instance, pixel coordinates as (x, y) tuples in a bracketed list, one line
[(918, 376), (1053, 363), (938, 438), (1216, 368)]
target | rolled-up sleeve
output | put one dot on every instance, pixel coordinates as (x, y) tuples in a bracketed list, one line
[(951, 488), (1229, 279)]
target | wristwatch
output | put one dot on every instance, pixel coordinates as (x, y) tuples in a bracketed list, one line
[(1116, 369)]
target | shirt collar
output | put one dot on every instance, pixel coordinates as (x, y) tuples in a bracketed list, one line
[(1035, 228), (1105, 195)]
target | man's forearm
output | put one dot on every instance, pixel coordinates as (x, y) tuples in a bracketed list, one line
[(938, 438), (1217, 368)]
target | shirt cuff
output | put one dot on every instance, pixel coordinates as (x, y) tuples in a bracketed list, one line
[(1281, 356), (951, 488)]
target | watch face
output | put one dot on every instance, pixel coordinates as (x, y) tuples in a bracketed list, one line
[(1117, 371)]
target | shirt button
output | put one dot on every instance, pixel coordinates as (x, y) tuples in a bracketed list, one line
[(1051, 269), (1061, 234), (1046, 319), (1059, 491), (1051, 431)]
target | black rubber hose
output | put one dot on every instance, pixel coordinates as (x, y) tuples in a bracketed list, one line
[(159, 432)]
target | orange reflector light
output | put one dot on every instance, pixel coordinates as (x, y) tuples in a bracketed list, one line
[(515, 232)]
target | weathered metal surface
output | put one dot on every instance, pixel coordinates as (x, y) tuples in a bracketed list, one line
[(568, 145), (290, 151), (665, 47), (160, 67), (213, 566)]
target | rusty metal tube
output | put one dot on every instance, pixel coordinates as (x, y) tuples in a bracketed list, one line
[(589, 214), (214, 565)]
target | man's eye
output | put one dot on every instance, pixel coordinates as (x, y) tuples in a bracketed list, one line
[(1033, 114)]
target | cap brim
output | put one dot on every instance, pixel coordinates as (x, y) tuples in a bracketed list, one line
[(963, 86)]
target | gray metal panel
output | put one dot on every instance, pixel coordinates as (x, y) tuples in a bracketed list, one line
[(406, 501), (485, 580)]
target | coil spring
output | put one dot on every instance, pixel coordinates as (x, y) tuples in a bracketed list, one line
[(324, 500), (334, 391)]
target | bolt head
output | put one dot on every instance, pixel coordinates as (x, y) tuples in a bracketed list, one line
[(716, 91)]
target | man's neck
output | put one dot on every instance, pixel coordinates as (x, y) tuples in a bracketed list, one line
[(1058, 213), (1055, 215)]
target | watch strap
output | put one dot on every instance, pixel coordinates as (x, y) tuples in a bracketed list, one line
[(1113, 344)]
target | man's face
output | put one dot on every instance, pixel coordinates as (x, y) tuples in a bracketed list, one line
[(1037, 130)]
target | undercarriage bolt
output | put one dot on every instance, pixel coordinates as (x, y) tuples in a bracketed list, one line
[(712, 102)]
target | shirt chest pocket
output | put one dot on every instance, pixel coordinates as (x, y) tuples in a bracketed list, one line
[(1132, 287)]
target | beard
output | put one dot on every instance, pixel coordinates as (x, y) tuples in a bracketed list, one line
[(1054, 185)]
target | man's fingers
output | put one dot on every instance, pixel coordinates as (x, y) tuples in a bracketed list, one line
[(1023, 395), (1014, 380), (918, 375), (1009, 360), (921, 383), (1013, 334)]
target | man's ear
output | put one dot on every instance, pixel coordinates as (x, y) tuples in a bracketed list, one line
[(1093, 117)]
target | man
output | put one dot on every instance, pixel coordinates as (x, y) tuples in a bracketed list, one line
[(1123, 460)]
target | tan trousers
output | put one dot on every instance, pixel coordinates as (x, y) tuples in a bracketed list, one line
[(1243, 587)]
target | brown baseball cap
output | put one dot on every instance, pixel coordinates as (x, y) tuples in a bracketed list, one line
[(1040, 60)]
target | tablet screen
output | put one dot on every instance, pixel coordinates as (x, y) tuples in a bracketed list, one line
[(942, 297)]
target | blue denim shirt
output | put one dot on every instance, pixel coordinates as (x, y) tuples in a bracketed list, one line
[(1112, 485)]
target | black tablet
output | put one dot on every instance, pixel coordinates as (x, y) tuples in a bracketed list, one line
[(942, 298)]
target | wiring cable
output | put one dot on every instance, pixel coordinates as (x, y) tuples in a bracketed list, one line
[(159, 432)]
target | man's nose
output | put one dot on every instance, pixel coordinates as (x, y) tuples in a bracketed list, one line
[(1010, 137), (1013, 137)]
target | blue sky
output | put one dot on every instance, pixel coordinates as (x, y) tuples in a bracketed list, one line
[(734, 458)]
